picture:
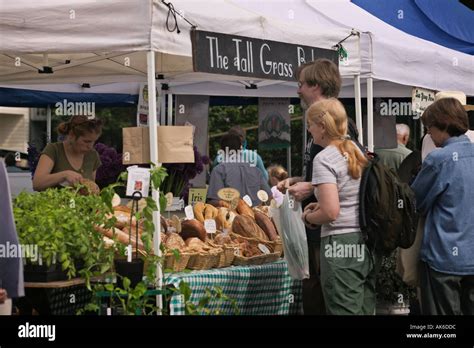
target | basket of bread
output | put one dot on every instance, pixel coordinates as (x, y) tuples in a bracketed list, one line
[(243, 236)]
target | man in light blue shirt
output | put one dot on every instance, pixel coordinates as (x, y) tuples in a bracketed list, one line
[(250, 156), (444, 190)]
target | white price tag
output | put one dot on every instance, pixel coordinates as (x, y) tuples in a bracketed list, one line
[(188, 210), (109, 311), (129, 253), (264, 249), (262, 195), (169, 199), (248, 200), (236, 251), (210, 226)]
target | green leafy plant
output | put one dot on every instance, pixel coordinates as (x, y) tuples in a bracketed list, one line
[(61, 223), (210, 304)]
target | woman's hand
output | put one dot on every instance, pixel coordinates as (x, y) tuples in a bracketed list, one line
[(312, 206), (304, 217), (72, 177), (3, 295)]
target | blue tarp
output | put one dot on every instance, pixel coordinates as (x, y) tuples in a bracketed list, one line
[(447, 23), (36, 99)]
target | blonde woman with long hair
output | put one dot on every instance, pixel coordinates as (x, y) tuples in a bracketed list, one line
[(347, 267)]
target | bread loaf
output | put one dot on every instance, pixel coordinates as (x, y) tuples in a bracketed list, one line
[(121, 236), (193, 228), (198, 210), (244, 209), (210, 212), (266, 225), (222, 219), (174, 241), (247, 227)]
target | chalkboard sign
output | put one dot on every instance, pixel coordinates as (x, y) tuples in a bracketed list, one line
[(249, 57)]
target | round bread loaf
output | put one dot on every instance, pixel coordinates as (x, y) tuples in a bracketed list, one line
[(193, 228)]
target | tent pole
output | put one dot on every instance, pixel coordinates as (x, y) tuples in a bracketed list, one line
[(358, 107), (170, 109), (370, 114), (152, 126), (48, 124), (162, 109)]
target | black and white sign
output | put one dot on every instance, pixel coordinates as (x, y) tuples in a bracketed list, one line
[(243, 56)]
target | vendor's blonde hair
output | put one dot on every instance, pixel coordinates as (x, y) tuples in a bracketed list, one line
[(331, 114)]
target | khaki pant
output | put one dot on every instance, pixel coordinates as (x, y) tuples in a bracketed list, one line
[(348, 280)]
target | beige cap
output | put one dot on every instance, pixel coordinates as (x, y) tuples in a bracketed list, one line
[(461, 96)]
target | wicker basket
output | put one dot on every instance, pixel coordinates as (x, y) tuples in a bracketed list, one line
[(227, 256), (275, 246), (174, 264), (201, 261), (255, 260)]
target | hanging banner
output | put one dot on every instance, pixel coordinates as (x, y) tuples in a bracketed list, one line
[(274, 122), (244, 56), (142, 107)]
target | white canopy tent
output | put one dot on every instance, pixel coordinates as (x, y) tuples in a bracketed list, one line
[(392, 62), (102, 43)]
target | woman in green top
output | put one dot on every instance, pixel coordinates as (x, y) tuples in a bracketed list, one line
[(72, 160)]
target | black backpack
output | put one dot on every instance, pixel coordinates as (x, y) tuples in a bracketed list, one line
[(387, 212)]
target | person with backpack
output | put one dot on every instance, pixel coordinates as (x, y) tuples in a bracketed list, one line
[(317, 80), (444, 190), (347, 265)]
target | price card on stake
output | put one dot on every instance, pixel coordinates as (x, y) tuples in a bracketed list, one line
[(263, 248), (262, 195), (138, 179), (210, 226), (248, 200), (129, 253), (188, 210), (169, 199), (197, 195), (228, 194)]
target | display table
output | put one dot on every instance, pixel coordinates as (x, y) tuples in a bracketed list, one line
[(258, 290)]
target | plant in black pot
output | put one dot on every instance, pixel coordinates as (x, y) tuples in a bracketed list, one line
[(59, 225)]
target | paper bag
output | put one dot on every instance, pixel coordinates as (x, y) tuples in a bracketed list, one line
[(175, 145), (408, 260)]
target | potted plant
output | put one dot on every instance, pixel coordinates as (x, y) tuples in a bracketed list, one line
[(59, 223)]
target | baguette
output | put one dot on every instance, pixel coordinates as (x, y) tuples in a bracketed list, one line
[(244, 209), (121, 236), (266, 225)]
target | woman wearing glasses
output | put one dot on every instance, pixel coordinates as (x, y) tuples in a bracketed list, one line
[(74, 159)]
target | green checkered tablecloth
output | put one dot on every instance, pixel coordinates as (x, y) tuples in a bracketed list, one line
[(258, 290)]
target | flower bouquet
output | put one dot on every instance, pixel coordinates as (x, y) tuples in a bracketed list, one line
[(111, 166), (179, 175)]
